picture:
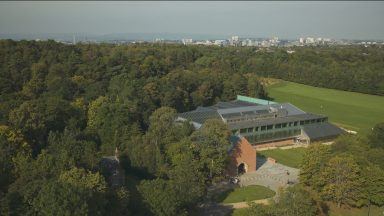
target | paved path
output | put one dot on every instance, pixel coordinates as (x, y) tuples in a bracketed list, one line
[(245, 204), (270, 175), (222, 209)]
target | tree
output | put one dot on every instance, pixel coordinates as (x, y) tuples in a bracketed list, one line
[(11, 143), (36, 85), (35, 118), (93, 186), (373, 185), (259, 210), (295, 201), (83, 179), (315, 158), (235, 85), (255, 88), (212, 143), (61, 199), (111, 120), (71, 149), (340, 180), (185, 175), (161, 132), (376, 138), (291, 201), (161, 197)]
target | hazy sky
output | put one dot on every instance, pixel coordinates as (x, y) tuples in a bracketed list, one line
[(355, 20)]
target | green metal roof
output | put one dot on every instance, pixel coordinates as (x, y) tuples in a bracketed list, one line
[(254, 100)]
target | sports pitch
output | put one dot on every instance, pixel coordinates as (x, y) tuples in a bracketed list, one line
[(354, 111)]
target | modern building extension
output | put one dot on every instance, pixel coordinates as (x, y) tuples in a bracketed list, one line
[(262, 123), (265, 123)]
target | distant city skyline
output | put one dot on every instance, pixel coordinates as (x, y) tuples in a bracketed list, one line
[(289, 20)]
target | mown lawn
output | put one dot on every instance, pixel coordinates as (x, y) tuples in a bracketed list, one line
[(240, 212), (289, 157), (245, 194), (334, 211), (351, 110)]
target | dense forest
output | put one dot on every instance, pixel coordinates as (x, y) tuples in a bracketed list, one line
[(65, 107)]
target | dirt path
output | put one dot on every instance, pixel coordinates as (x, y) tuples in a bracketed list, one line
[(245, 204)]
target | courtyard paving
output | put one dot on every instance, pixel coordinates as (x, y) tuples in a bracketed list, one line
[(270, 175)]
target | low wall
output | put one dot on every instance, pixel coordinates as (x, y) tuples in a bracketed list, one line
[(275, 144)]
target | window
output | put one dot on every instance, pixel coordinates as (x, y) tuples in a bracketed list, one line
[(306, 122), (318, 120), (256, 128), (278, 126), (263, 128), (301, 122), (295, 123), (243, 130), (290, 124), (313, 121), (269, 127), (284, 125), (250, 130)]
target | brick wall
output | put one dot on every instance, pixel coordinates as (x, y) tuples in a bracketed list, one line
[(275, 143), (243, 152)]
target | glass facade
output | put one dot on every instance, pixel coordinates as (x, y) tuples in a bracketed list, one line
[(278, 131)]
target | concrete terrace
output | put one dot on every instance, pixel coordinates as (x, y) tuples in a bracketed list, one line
[(270, 175)]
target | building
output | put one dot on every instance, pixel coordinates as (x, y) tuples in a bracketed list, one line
[(110, 165), (243, 157), (187, 41), (257, 123)]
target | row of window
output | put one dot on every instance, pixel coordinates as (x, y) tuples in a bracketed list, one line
[(280, 125), (258, 117), (273, 135)]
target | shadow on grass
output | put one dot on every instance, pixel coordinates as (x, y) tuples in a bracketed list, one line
[(219, 198), (214, 209)]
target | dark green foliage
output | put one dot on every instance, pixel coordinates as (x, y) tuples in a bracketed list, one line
[(376, 138), (63, 107), (161, 197), (290, 202), (340, 181), (314, 161), (372, 185), (295, 201), (350, 172), (185, 164)]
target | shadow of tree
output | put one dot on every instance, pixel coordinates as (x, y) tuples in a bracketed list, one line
[(220, 197)]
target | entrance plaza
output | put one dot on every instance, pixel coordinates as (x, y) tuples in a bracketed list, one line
[(271, 175)]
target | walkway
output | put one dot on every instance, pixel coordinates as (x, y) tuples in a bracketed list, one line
[(270, 175), (245, 204)]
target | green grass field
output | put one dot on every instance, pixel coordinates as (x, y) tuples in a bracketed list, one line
[(240, 212), (289, 157), (351, 110), (334, 211), (245, 194)]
